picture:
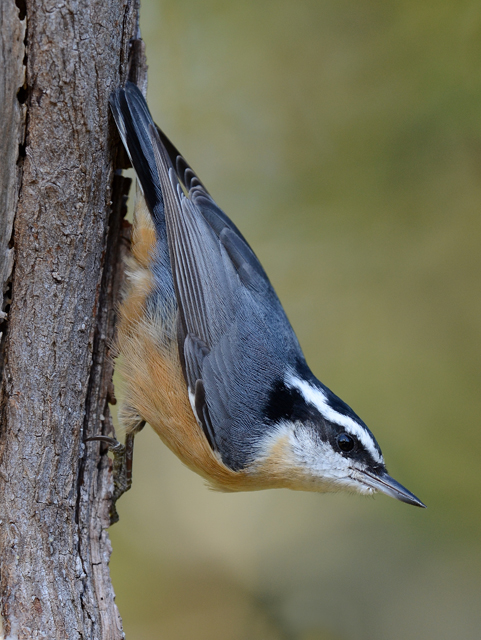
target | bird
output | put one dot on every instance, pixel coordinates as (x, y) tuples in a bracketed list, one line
[(209, 357)]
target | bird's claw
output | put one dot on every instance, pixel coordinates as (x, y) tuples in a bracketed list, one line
[(121, 468)]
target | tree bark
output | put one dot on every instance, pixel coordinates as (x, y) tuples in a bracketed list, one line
[(60, 61)]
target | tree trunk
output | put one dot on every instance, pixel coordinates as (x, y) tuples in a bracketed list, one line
[(60, 62)]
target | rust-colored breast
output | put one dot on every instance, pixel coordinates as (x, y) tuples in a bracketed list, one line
[(154, 388)]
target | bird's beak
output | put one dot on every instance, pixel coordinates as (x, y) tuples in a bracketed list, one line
[(383, 482)]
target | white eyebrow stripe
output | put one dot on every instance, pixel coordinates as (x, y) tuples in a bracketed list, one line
[(318, 398)]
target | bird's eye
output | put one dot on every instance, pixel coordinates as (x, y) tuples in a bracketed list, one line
[(345, 442)]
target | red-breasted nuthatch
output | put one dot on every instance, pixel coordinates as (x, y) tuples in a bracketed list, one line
[(210, 359)]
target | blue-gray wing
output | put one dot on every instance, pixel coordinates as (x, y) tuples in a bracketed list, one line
[(235, 340), (234, 336)]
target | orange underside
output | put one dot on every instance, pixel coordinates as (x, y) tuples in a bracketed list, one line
[(155, 389)]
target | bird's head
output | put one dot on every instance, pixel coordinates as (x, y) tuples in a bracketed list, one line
[(322, 445)]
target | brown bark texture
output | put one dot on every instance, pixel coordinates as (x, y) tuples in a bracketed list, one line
[(61, 271)]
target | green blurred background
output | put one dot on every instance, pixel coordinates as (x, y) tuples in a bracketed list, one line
[(344, 138)]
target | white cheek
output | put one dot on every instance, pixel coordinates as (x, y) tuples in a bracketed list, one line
[(318, 457), (305, 456), (322, 462)]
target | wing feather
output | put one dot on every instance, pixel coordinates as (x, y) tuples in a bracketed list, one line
[(234, 337)]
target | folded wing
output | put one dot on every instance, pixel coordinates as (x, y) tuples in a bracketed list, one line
[(234, 337)]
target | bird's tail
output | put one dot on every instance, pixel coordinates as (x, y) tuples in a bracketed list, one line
[(137, 128)]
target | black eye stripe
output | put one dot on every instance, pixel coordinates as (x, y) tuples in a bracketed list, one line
[(287, 403)]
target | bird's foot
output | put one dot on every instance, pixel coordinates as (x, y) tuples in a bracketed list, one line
[(122, 467)]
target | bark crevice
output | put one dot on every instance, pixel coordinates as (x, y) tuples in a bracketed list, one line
[(12, 146)]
